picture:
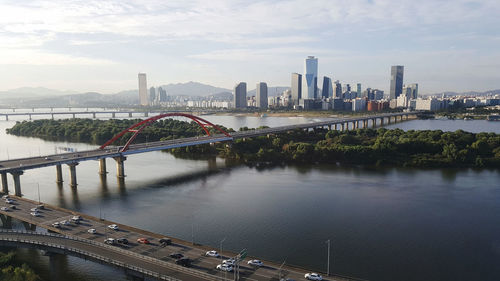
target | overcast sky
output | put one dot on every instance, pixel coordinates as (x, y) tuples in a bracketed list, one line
[(102, 45)]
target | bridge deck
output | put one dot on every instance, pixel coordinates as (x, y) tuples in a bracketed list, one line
[(201, 263)]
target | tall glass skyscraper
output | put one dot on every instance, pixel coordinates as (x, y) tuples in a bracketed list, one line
[(240, 95), (327, 90), (296, 88), (310, 78), (397, 72), (143, 90), (261, 95)]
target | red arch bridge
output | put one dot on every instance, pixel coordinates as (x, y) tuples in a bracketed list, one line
[(214, 134)]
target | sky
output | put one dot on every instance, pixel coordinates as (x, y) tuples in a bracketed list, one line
[(101, 45)]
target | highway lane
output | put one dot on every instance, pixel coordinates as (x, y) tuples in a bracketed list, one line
[(201, 263)]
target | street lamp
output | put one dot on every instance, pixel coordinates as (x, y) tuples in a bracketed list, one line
[(328, 259)]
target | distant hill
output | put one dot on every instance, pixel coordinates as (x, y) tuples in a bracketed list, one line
[(192, 89), (271, 91), (470, 93), (34, 92)]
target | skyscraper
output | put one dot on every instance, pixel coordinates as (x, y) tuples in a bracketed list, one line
[(143, 90), (240, 95), (397, 72), (296, 88), (261, 95), (152, 95), (338, 90), (327, 90), (358, 90), (414, 91), (162, 97), (310, 82)]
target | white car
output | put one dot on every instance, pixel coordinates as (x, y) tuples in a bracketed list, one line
[(92, 231), (113, 226), (64, 222), (35, 214), (9, 201), (34, 210), (230, 262), (5, 197), (313, 276), (76, 218), (5, 209), (212, 254), (110, 241), (56, 225), (255, 263), (224, 267)]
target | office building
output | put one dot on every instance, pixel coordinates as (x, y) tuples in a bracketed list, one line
[(296, 88), (162, 97), (152, 95), (310, 78), (143, 90), (327, 90), (261, 95), (413, 90), (358, 90), (240, 95), (338, 90), (396, 89)]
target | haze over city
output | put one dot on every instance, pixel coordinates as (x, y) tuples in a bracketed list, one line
[(101, 46)]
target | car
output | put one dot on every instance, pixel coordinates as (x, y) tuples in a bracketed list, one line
[(255, 263), (13, 207), (113, 226), (92, 231), (9, 201), (224, 267), (5, 197), (110, 241), (5, 209), (35, 214), (165, 241), (313, 276), (184, 262), (76, 218), (34, 209), (122, 240), (230, 262), (64, 222), (40, 206), (143, 240), (56, 225), (176, 255), (212, 254)]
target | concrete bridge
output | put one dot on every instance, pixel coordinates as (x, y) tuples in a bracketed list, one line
[(143, 261), (16, 167)]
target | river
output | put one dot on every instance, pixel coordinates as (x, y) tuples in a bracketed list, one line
[(384, 224)]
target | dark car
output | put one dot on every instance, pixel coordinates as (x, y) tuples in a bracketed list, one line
[(176, 256), (184, 262), (165, 241), (122, 240)]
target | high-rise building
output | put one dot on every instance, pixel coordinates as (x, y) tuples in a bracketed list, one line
[(143, 90), (397, 72), (346, 88), (261, 95), (327, 90), (162, 97), (310, 78), (240, 95), (338, 90), (296, 88), (358, 89), (152, 95), (414, 90)]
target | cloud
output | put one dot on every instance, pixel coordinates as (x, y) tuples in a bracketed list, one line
[(37, 57)]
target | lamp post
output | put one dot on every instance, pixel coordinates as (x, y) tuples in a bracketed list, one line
[(328, 259)]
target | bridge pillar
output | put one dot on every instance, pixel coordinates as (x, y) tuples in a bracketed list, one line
[(93, 115), (6, 117), (130, 114), (102, 166), (51, 109), (74, 116), (5, 185), (6, 221), (29, 227), (29, 115), (59, 177), (113, 115), (120, 167), (374, 123), (72, 174), (342, 125), (17, 182), (146, 114)]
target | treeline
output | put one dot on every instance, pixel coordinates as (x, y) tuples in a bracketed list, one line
[(100, 131), (383, 147), (11, 271)]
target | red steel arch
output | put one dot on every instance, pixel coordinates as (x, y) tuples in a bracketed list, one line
[(137, 128)]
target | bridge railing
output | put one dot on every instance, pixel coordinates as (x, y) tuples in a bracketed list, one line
[(156, 261)]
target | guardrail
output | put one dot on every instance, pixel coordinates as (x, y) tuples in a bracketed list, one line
[(155, 261)]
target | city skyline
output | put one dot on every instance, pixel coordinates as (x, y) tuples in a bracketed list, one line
[(99, 46)]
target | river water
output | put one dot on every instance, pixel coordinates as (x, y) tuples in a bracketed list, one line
[(384, 224)]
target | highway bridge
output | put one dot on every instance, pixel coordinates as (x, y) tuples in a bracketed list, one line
[(137, 259), (16, 167)]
